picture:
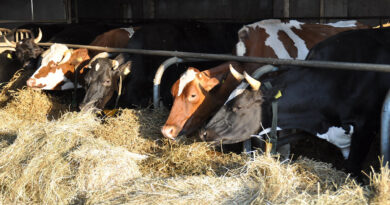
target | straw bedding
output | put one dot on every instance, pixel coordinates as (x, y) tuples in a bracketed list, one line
[(50, 155)]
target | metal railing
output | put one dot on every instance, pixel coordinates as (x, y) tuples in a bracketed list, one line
[(385, 126)]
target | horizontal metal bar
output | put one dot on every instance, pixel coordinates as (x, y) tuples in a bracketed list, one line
[(246, 59)]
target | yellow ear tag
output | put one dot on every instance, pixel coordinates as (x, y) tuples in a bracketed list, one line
[(278, 95), (9, 56), (110, 113)]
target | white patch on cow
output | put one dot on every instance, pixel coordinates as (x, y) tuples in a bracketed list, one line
[(341, 24), (51, 80), (240, 48), (55, 53), (69, 85), (129, 30), (97, 66), (187, 77), (238, 91), (272, 27), (339, 137)]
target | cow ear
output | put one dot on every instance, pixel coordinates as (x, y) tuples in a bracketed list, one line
[(123, 69), (206, 82)]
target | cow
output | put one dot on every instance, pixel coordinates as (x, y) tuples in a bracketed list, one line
[(26, 50), (340, 106), (267, 38), (8, 66), (137, 84), (57, 68), (52, 76)]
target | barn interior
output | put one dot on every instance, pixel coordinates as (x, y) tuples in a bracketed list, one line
[(54, 154)]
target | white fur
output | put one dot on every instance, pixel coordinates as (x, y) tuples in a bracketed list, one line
[(351, 23), (97, 66), (52, 80), (130, 30), (186, 78), (69, 85), (272, 27), (240, 48), (55, 53), (338, 137)]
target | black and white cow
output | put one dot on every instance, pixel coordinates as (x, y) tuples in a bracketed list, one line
[(340, 106), (137, 86)]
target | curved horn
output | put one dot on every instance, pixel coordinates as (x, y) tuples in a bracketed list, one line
[(115, 64), (235, 73), (39, 38), (255, 84), (12, 44), (100, 55), (68, 54)]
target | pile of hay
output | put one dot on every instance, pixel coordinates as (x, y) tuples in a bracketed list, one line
[(53, 156)]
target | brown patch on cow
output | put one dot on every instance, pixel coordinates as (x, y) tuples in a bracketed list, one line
[(44, 71), (116, 38), (288, 44), (78, 58), (255, 43)]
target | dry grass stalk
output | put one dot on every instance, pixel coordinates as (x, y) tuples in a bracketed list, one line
[(78, 159)]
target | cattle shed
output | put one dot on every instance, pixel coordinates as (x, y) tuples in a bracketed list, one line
[(54, 151), (124, 11)]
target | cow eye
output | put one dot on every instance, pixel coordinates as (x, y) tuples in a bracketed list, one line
[(107, 82), (192, 97)]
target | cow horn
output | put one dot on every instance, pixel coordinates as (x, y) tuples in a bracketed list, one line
[(255, 84), (235, 73), (68, 54), (39, 37), (12, 44), (115, 64), (100, 55)]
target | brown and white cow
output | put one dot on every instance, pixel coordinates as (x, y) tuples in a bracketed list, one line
[(198, 94), (58, 62)]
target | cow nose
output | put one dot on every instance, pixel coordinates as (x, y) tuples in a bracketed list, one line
[(31, 82), (169, 131)]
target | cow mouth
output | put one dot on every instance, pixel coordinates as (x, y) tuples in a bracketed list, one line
[(90, 107)]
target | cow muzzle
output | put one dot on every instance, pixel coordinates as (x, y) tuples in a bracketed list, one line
[(170, 131)]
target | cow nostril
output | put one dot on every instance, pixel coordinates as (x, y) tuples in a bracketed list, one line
[(169, 132)]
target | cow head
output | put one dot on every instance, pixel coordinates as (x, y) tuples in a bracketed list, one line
[(103, 79), (57, 68), (189, 94), (26, 49), (239, 118)]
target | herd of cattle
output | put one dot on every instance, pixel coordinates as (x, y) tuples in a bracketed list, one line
[(224, 101)]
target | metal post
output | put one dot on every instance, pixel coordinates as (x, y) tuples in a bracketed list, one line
[(385, 130), (160, 72), (32, 9)]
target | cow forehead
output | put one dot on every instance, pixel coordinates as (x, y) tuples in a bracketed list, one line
[(186, 78)]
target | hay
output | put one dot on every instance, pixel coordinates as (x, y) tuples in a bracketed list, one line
[(77, 158), (18, 81)]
